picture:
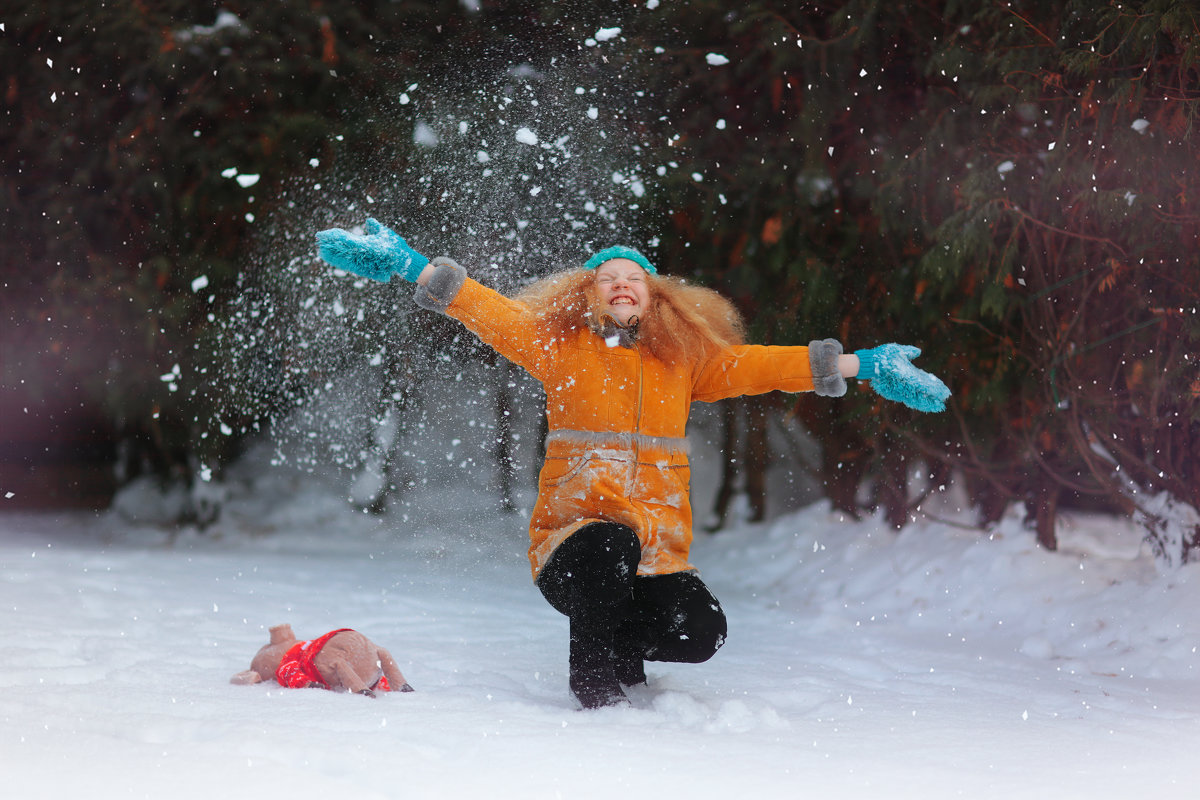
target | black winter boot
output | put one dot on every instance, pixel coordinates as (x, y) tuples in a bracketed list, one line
[(593, 680), (628, 664), (590, 579)]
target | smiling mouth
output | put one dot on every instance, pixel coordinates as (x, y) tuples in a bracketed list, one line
[(622, 301)]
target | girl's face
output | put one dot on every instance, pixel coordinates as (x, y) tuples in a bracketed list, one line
[(621, 289)]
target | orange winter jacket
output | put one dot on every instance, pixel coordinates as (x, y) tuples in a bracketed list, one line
[(617, 419)]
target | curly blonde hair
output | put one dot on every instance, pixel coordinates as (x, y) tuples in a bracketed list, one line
[(683, 324)]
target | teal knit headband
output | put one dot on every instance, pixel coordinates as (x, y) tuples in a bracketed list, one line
[(609, 253)]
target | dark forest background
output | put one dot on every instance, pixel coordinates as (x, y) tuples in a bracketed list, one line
[(1012, 187)]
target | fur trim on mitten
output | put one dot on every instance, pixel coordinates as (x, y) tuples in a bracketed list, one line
[(443, 286), (823, 358)]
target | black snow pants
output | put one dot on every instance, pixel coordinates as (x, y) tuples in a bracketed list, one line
[(619, 619)]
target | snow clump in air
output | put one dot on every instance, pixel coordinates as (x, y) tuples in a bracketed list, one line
[(603, 35)]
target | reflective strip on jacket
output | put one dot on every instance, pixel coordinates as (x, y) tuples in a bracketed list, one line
[(617, 418)]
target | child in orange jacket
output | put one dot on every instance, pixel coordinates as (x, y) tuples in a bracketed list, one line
[(622, 352)]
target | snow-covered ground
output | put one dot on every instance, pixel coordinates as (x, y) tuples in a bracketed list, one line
[(941, 662)]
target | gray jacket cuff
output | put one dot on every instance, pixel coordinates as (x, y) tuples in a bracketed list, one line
[(823, 358), (443, 286)]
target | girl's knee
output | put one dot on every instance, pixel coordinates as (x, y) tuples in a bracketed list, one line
[(705, 636), (695, 626), (595, 566)]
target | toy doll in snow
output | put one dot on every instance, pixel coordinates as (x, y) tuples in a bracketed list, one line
[(622, 352), (342, 660)]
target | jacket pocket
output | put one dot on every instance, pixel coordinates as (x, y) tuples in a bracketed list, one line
[(557, 470), (663, 484)]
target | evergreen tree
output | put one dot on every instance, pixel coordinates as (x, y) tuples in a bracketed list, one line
[(140, 143), (1005, 186)]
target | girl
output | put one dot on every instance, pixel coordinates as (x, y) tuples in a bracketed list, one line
[(622, 352)]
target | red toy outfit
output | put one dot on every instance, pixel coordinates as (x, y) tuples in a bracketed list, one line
[(297, 670)]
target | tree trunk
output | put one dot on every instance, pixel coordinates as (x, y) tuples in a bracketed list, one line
[(729, 470), (745, 457), (845, 455), (893, 489), (756, 455), (505, 467), (372, 491), (1044, 498)]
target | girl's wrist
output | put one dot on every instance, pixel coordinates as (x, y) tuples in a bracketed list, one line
[(848, 365)]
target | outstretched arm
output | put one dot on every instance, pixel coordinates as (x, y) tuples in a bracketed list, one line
[(442, 286), (823, 368), (756, 369)]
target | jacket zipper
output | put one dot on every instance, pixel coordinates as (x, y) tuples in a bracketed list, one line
[(637, 422)]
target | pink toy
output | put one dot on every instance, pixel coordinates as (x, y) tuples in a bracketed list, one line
[(341, 660)]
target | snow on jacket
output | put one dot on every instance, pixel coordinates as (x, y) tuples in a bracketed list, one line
[(616, 449)]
